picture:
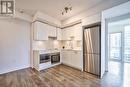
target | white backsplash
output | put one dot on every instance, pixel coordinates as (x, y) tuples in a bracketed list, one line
[(50, 44), (54, 44), (72, 44)]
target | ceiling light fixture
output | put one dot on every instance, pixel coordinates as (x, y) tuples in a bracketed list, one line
[(66, 9)]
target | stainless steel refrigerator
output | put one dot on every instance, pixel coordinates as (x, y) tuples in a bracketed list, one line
[(92, 49)]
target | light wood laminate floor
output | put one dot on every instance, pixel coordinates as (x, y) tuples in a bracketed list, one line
[(64, 76)]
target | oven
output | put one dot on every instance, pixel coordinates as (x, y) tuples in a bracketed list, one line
[(44, 58), (55, 57)]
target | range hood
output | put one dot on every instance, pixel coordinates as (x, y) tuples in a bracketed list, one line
[(52, 38)]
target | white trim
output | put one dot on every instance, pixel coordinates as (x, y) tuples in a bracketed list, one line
[(14, 69)]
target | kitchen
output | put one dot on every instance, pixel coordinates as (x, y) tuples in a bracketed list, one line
[(64, 44), (53, 46)]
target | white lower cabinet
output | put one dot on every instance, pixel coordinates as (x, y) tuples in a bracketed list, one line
[(44, 65), (76, 59), (72, 58), (66, 58)]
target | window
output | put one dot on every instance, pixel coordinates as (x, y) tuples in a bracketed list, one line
[(127, 44)]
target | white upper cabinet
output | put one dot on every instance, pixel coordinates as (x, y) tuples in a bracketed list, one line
[(40, 31), (67, 33), (72, 32), (51, 31), (78, 32), (59, 34)]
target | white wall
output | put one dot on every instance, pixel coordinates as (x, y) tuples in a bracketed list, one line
[(14, 45), (116, 11)]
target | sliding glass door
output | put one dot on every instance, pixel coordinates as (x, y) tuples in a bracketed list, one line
[(115, 46), (119, 48), (127, 44)]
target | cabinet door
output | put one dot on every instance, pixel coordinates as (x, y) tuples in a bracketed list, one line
[(63, 34), (66, 57), (72, 58), (71, 32), (40, 31), (78, 32), (51, 31), (67, 33), (59, 34), (76, 59)]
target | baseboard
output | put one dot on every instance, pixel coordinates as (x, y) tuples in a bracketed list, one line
[(14, 69)]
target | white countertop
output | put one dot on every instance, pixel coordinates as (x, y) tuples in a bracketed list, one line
[(44, 51), (38, 49), (72, 49)]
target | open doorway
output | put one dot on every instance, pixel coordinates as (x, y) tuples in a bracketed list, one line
[(118, 52), (119, 40)]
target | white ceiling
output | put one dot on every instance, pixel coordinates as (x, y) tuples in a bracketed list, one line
[(54, 7)]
